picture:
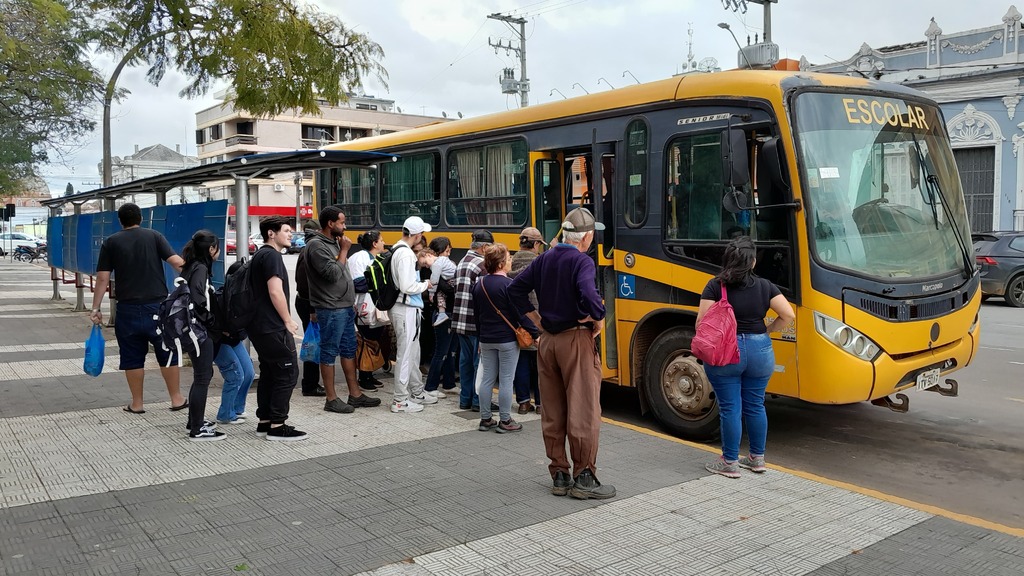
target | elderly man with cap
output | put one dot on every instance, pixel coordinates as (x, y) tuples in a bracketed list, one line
[(570, 313), (406, 316), (470, 268), (530, 242)]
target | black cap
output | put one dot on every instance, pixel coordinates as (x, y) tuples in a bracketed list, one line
[(483, 236)]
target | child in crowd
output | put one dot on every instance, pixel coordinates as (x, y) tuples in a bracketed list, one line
[(442, 269)]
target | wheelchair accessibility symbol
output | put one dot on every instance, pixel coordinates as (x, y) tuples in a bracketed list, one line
[(627, 286)]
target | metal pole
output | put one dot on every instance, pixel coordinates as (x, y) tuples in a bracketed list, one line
[(241, 217), (767, 22), (108, 204), (298, 201), (524, 87), (49, 258), (79, 286)]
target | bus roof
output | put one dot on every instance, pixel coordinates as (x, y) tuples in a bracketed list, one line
[(749, 83)]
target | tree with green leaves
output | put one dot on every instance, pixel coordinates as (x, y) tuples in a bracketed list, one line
[(276, 54), (69, 190), (47, 85)]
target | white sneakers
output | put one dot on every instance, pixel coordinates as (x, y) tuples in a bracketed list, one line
[(436, 394), (424, 398), (408, 407)]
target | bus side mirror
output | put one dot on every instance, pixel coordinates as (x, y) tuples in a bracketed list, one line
[(735, 162)]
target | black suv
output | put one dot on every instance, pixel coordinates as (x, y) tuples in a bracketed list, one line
[(1000, 257)]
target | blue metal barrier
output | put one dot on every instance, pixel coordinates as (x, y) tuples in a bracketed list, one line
[(75, 240)]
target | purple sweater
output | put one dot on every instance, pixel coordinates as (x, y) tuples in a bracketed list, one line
[(565, 282)]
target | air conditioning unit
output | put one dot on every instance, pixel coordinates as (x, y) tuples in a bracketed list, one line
[(278, 187)]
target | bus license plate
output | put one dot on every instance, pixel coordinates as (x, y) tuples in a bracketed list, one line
[(927, 379)]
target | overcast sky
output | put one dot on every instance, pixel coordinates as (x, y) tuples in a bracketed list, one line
[(438, 58)]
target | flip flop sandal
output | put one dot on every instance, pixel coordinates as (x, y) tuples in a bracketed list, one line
[(128, 408), (182, 407)]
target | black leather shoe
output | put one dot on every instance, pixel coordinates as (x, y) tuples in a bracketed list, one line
[(562, 484), (587, 486), (320, 391)]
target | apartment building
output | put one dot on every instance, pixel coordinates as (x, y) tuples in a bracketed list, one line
[(224, 132)]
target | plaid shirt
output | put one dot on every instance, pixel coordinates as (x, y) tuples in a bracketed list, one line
[(469, 269)]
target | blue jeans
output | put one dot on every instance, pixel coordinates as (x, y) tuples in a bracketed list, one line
[(442, 364), (337, 334), (468, 357), (740, 391), (526, 377), (135, 330), (498, 364), (235, 366)]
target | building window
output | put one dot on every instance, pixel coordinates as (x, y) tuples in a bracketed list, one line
[(200, 136), (366, 106), (635, 208), (410, 187), (215, 132), (244, 128), (487, 185)]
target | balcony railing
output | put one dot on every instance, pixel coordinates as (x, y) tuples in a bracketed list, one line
[(240, 140)]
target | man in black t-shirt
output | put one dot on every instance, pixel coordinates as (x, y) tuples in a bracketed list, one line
[(136, 255), (272, 333)]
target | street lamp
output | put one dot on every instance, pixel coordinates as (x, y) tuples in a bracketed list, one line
[(725, 26)]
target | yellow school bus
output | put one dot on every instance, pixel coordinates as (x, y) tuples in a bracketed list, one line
[(847, 186)]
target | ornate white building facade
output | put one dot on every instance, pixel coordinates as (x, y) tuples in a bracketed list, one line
[(976, 77)]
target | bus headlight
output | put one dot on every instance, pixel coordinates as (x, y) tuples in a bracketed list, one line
[(846, 337)]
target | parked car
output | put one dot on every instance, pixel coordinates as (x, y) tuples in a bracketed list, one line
[(298, 243), (1000, 256), (11, 240), (231, 243)]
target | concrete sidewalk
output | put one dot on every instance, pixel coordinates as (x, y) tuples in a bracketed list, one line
[(86, 488)]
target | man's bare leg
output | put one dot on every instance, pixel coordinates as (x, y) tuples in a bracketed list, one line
[(327, 375), (172, 378), (135, 379), (348, 365)]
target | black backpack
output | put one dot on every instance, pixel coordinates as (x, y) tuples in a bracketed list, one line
[(177, 323), (233, 308), (380, 281)]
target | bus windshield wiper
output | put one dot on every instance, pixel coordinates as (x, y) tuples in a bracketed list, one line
[(934, 189)]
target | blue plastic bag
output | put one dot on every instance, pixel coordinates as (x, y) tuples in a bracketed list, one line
[(94, 355), (310, 351)]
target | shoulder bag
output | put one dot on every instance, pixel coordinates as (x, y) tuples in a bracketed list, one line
[(523, 337)]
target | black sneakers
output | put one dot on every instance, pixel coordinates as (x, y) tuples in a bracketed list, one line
[(363, 401), (587, 486), (286, 433), (320, 391), (562, 484), (367, 385), (206, 435), (262, 428)]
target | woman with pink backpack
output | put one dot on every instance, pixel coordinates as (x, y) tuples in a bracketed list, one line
[(740, 385)]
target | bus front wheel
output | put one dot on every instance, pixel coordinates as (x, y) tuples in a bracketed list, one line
[(678, 391)]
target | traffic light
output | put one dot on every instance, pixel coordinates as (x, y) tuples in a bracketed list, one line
[(7, 213)]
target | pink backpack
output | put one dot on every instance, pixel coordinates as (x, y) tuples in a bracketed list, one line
[(715, 342)]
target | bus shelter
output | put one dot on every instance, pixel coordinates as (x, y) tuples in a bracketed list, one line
[(74, 240)]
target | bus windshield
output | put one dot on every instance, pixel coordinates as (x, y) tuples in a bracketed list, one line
[(881, 185)]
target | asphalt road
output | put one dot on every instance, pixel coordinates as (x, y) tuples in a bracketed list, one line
[(963, 454)]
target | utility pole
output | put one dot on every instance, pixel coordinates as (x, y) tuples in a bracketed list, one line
[(508, 83)]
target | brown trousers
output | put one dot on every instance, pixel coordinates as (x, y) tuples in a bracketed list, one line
[(570, 384)]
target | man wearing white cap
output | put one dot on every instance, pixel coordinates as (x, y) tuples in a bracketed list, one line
[(405, 320)]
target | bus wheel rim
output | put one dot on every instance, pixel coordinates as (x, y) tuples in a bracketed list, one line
[(686, 387)]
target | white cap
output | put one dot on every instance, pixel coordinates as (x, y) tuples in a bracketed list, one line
[(416, 225)]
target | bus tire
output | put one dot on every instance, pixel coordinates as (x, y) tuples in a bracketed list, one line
[(678, 390)]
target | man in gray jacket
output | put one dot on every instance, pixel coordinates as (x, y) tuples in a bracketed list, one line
[(333, 295)]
